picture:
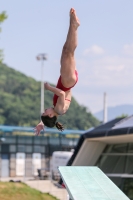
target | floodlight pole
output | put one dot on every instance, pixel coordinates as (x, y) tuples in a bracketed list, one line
[(105, 108), (2, 139), (42, 57)]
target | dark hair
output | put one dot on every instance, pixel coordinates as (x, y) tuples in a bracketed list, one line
[(51, 122)]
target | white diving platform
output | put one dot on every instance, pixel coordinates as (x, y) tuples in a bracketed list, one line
[(89, 183)]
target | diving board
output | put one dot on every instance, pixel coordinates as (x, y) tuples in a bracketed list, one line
[(89, 183)]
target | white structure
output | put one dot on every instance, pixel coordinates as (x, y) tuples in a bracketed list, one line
[(59, 158), (42, 57), (36, 163), (20, 164)]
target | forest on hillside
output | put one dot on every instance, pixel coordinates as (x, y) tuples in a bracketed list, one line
[(20, 103)]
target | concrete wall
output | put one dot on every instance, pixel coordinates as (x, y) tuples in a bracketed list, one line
[(28, 164), (12, 165), (43, 161), (89, 153)]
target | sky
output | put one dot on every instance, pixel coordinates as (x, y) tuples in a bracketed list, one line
[(104, 55)]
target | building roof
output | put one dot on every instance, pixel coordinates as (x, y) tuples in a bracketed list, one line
[(115, 127), (126, 122)]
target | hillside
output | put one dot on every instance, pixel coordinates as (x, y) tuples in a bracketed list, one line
[(115, 111), (20, 103)]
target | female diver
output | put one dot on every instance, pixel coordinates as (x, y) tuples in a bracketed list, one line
[(67, 80)]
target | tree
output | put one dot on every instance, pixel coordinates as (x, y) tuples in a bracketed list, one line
[(122, 115), (3, 16), (20, 103)]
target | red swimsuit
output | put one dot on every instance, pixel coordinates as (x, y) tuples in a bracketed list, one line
[(60, 86)]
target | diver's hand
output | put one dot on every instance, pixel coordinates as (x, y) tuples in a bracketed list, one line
[(47, 86), (38, 128)]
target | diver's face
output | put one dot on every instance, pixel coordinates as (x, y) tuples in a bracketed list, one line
[(49, 112)]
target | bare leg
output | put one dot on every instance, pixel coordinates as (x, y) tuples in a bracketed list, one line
[(67, 71)]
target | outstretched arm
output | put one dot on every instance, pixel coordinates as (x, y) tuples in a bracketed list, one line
[(39, 128)]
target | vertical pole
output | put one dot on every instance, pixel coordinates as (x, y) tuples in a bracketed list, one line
[(60, 141), (42, 57), (0, 160), (42, 88), (105, 108)]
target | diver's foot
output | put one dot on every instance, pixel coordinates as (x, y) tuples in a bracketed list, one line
[(73, 18)]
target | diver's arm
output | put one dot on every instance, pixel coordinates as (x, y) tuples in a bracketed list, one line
[(39, 128), (55, 90)]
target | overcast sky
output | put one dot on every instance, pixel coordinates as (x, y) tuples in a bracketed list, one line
[(104, 55)]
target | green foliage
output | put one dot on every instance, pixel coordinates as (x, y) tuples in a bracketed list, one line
[(11, 191), (20, 103), (1, 55), (123, 115), (3, 16)]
